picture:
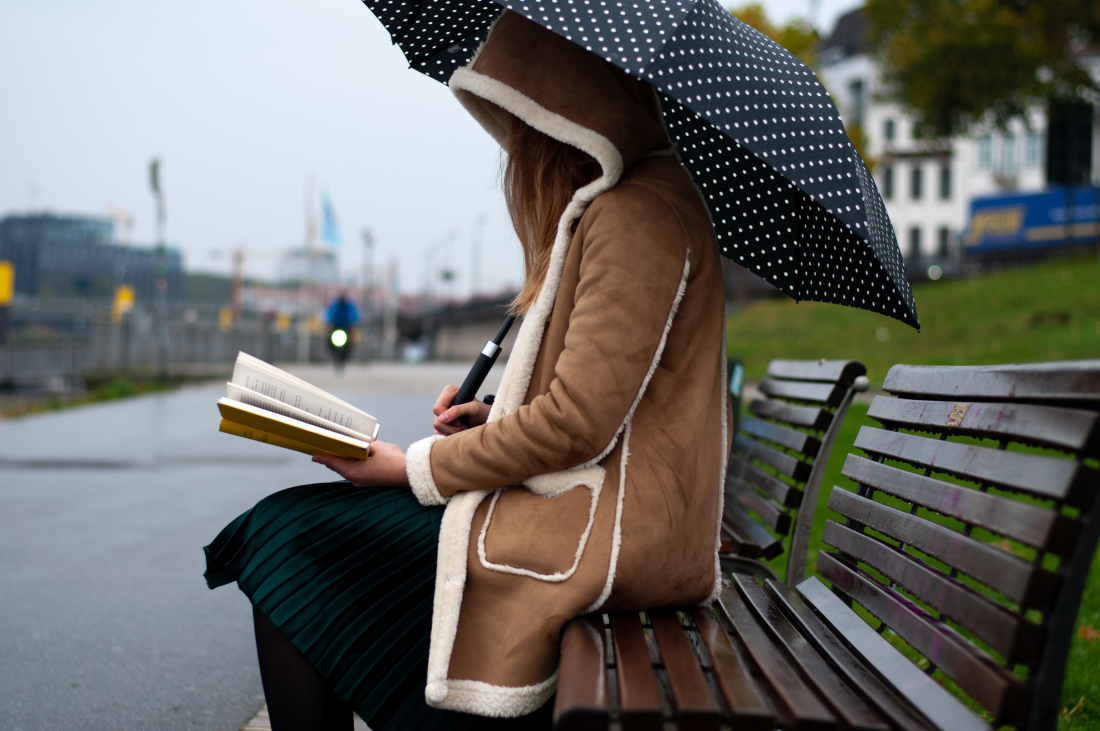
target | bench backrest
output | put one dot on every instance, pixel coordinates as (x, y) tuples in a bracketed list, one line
[(779, 457), (975, 524)]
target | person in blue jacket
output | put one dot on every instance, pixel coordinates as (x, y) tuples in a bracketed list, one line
[(342, 316)]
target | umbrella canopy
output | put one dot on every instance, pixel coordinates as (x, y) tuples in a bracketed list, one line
[(790, 197)]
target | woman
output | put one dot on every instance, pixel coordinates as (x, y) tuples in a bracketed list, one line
[(594, 481)]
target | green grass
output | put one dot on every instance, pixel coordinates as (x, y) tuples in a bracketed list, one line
[(1082, 679), (1045, 312), (112, 390)]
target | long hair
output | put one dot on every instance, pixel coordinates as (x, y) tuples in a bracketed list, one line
[(539, 176)]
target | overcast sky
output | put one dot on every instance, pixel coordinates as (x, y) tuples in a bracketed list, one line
[(245, 101)]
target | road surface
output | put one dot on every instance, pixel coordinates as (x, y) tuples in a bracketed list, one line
[(105, 619)]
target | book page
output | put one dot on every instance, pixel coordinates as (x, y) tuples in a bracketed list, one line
[(255, 375), (260, 401)]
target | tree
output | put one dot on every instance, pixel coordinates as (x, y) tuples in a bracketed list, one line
[(956, 63), (797, 36)]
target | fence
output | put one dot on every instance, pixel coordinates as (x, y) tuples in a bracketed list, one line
[(64, 347)]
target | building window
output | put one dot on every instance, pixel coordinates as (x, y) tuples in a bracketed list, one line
[(985, 152), (1008, 156), (914, 243), (945, 241), (1034, 154), (945, 182), (915, 182), (888, 130), (888, 182), (856, 90)]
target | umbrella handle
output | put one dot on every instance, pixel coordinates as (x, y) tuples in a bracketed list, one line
[(484, 363)]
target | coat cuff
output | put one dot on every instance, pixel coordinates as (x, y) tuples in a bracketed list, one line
[(418, 466)]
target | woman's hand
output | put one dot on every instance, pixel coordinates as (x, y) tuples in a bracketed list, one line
[(449, 419), (385, 468)]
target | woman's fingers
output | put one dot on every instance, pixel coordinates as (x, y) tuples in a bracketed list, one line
[(385, 468), (444, 400)]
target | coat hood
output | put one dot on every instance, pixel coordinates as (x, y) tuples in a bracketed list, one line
[(564, 91)]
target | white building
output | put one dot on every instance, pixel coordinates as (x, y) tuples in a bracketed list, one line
[(318, 266), (928, 184)]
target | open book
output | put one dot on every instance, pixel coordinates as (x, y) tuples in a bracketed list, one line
[(269, 405)]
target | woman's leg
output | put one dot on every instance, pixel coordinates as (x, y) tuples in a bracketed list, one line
[(297, 697)]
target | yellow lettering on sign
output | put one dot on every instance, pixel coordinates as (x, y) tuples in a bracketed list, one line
[(995, 222), (7, 283)]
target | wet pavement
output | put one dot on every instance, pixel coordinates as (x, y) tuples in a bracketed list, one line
[(105, 619)]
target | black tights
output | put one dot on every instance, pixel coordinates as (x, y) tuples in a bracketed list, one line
[(297, 697)]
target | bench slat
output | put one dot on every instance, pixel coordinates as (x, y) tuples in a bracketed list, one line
[(1029, 524), (1019, 580), (828, 394), (776, 519), (807, 710), (1066, 383), (749, 539), (905, 678), (852, 710), (807, 416), (746, 702), (995, 688), (1048, 426), (1048, 477), (782, 462), (639, 703), (696, 710), (581, 702), (844, 371), (743, 474), (782, 435), (854, 671), (1007, 633)]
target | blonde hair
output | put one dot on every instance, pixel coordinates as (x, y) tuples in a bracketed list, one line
[(539, 176)]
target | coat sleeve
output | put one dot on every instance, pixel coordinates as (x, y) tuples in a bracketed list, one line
[(634, 268)]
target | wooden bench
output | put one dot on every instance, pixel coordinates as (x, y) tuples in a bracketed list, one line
[(967, 544), (778, 461)]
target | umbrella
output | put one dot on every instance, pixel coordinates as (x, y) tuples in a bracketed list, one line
[(790, 197)]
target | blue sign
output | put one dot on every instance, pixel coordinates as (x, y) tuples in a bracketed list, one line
[(1032, 220)]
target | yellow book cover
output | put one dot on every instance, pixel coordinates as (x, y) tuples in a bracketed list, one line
[(290, 429), (237, 430)]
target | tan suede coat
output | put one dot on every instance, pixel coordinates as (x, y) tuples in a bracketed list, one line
[(596, 483)]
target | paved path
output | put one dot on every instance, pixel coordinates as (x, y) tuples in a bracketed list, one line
[(105, 620)]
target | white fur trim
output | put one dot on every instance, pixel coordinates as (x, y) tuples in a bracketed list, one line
[(617, 534), (721, 478), (589, 478), (418, 467), (473, 89), (499, 701), (450, 580)]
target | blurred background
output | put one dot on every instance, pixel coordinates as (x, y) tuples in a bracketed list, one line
[(180, 182)]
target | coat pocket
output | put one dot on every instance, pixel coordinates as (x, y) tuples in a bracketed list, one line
[(542, 524)]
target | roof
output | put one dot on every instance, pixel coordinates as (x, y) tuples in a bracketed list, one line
[(849, 37)]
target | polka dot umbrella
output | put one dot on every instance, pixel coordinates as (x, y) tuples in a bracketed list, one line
[(790, 197)]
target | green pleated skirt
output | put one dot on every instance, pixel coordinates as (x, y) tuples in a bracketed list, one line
[(347, 574)]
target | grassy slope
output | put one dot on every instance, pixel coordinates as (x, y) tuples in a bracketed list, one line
[(1048, 312), (1008, 317)]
